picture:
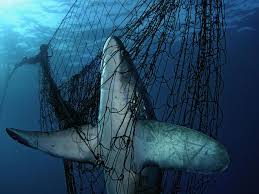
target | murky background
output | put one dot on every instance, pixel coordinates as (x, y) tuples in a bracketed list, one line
[(25, 24)]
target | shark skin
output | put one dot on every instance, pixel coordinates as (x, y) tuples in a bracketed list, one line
[(69, 143), (122, 95), (157, 145), (179, 147)]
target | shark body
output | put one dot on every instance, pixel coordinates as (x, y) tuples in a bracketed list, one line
[(132, 144)]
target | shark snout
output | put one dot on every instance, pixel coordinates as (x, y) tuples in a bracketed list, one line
[(112, 52)]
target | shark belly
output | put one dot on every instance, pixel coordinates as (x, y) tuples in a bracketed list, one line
[(133, 147), (115, 119)]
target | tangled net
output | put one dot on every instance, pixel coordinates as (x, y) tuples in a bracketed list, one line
[(178, 49)]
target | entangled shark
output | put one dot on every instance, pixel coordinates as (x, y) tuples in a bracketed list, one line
[(132, 144)]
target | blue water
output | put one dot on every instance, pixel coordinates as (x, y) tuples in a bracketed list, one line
[(25, 24)]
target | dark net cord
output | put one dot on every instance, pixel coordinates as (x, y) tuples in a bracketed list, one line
[(178, 48)]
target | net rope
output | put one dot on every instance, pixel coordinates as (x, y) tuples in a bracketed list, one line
[(178, 48)]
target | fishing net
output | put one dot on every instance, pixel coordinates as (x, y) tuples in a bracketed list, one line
[(178, 48)]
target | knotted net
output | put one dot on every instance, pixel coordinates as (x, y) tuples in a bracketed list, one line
[(178, 48)]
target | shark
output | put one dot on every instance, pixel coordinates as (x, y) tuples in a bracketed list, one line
[(132, 145)]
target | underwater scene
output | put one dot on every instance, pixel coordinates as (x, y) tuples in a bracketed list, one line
[(129, 96)]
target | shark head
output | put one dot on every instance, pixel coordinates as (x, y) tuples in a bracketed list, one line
[(126, 120)]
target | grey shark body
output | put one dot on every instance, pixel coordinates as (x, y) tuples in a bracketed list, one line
[(134, 145)]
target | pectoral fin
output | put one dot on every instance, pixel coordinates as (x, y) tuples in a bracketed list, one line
[(72, 144), (178, 147)]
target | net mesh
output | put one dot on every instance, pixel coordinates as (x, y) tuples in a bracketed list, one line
[(178, 48)]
